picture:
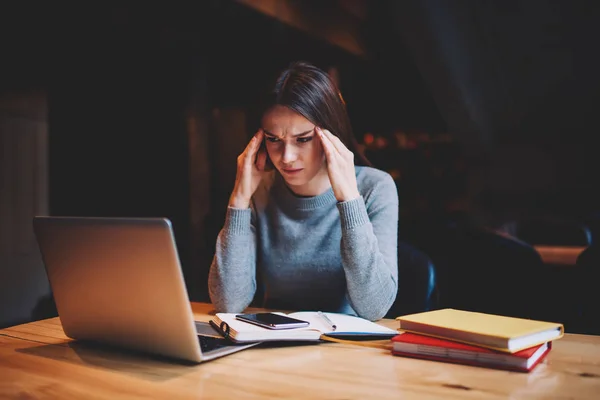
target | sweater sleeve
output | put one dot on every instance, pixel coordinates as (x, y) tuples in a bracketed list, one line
[(369, 249), (232, 275)]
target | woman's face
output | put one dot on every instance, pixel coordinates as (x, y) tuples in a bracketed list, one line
[(295, 151)]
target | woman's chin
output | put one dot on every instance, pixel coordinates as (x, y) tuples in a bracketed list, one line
[(294, 181)]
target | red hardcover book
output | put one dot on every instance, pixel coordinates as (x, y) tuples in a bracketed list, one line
[(430, 348)]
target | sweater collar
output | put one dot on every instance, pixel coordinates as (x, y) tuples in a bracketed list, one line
[(287, 197)]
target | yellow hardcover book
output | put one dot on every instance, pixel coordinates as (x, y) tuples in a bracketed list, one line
[(508, 334)]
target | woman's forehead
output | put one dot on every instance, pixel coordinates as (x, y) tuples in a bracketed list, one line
[(281, 121)]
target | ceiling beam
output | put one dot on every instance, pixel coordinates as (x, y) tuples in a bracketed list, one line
[(336, 22)]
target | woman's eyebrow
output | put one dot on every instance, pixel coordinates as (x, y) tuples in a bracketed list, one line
[(295, 135), (303, 133)]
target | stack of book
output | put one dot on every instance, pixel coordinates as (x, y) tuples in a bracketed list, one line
[(473, 338)]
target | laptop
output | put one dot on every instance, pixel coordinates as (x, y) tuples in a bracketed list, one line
[(118, 281)]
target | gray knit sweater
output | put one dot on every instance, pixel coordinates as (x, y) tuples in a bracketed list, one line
[(311, 253)]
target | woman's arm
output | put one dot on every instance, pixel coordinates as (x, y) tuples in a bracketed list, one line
[(232, 275), (370, 249)]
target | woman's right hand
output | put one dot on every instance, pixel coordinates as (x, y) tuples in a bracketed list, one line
[(250, 166)]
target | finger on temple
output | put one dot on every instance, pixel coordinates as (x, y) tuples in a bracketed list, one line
[(328, 146), (254, 144), (261, 159), (337, 143)]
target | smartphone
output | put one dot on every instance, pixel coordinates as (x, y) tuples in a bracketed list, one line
[(272, 320)]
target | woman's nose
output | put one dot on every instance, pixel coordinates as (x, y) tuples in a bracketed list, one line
[(289, 154)]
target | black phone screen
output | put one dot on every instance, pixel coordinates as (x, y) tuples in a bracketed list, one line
[(272, 321)]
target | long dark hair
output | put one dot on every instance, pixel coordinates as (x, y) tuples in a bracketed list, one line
[(310, 92)]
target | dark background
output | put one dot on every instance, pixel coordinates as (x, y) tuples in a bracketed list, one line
[(480, 108)]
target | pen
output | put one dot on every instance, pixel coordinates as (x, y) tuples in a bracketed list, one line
[(327, 320)]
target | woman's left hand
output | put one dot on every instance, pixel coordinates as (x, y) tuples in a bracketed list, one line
[(340, 166)]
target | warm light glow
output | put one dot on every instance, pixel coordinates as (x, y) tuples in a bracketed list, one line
[(381, 142), (395, 174)]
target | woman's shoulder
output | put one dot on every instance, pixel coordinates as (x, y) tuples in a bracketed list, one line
[(376, 185), (368, 178)]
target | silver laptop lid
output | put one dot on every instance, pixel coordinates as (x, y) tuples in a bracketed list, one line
[(119, 281)]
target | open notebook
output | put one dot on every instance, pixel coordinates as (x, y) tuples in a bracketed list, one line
[(347, 326)]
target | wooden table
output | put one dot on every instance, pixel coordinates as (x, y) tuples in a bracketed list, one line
[(38, 361), (559, 255)]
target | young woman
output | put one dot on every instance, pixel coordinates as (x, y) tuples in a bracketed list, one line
[(307, 218)]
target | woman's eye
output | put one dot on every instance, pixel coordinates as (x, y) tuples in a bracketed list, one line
[(305, 139), (272, 139)]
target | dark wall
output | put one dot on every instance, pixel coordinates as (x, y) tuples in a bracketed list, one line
[(517, 83), (118, 91), (123, 81), (24, 289)]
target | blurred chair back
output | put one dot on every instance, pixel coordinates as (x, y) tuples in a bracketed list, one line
[(550, 231), (588, 296), (416, 282), (592, 221), (482, 270)]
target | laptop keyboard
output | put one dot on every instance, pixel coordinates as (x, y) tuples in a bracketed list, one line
[(208, 343), (210, 339)]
